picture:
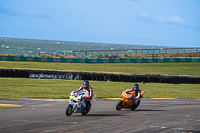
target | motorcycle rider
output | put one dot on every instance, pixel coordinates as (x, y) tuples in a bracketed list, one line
[(87, 90), (137, 92)]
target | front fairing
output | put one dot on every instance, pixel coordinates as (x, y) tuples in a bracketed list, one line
[(128, 95), (77, 100), (128, 98), (74, 96)]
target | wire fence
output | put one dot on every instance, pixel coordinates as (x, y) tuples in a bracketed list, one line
[(128, 51)]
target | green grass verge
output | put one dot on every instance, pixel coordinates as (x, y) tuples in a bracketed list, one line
[(60, 89), (176, 68)]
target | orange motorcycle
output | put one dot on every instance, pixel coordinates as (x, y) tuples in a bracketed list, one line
[(127, 100)]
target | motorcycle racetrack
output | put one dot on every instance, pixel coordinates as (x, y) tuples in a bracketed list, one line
[(48, 116)]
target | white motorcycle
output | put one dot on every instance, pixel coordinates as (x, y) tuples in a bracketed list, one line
[(78, 103)]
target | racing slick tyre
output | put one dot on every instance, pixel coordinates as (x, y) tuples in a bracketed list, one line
[(69, 110), (87, 109), (133, 107), (119, 105)]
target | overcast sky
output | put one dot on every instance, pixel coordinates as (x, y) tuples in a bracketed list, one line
[(138, 22)]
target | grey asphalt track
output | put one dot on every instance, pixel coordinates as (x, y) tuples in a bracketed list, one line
[(152, 116)]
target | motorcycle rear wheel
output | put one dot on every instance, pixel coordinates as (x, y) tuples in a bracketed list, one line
[(133, 107), (119, 105), (69, 110), (87, 110)]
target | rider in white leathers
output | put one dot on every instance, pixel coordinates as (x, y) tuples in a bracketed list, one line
[(87, 90)]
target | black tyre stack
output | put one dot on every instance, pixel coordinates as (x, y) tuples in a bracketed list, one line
[(149, 78), (14, 73)]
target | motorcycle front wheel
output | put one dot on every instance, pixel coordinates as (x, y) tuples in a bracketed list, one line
[(119, 105), (69, 110)]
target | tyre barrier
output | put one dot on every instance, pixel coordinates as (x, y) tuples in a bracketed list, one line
[(148, 78)]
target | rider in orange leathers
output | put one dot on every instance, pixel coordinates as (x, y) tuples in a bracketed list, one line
[(137, 93)]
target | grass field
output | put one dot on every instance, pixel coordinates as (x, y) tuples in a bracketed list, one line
[(60, 89), (176, 68), (56, 89)]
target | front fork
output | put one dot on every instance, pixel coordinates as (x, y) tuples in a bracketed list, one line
[(74, 106), (124, 103)]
